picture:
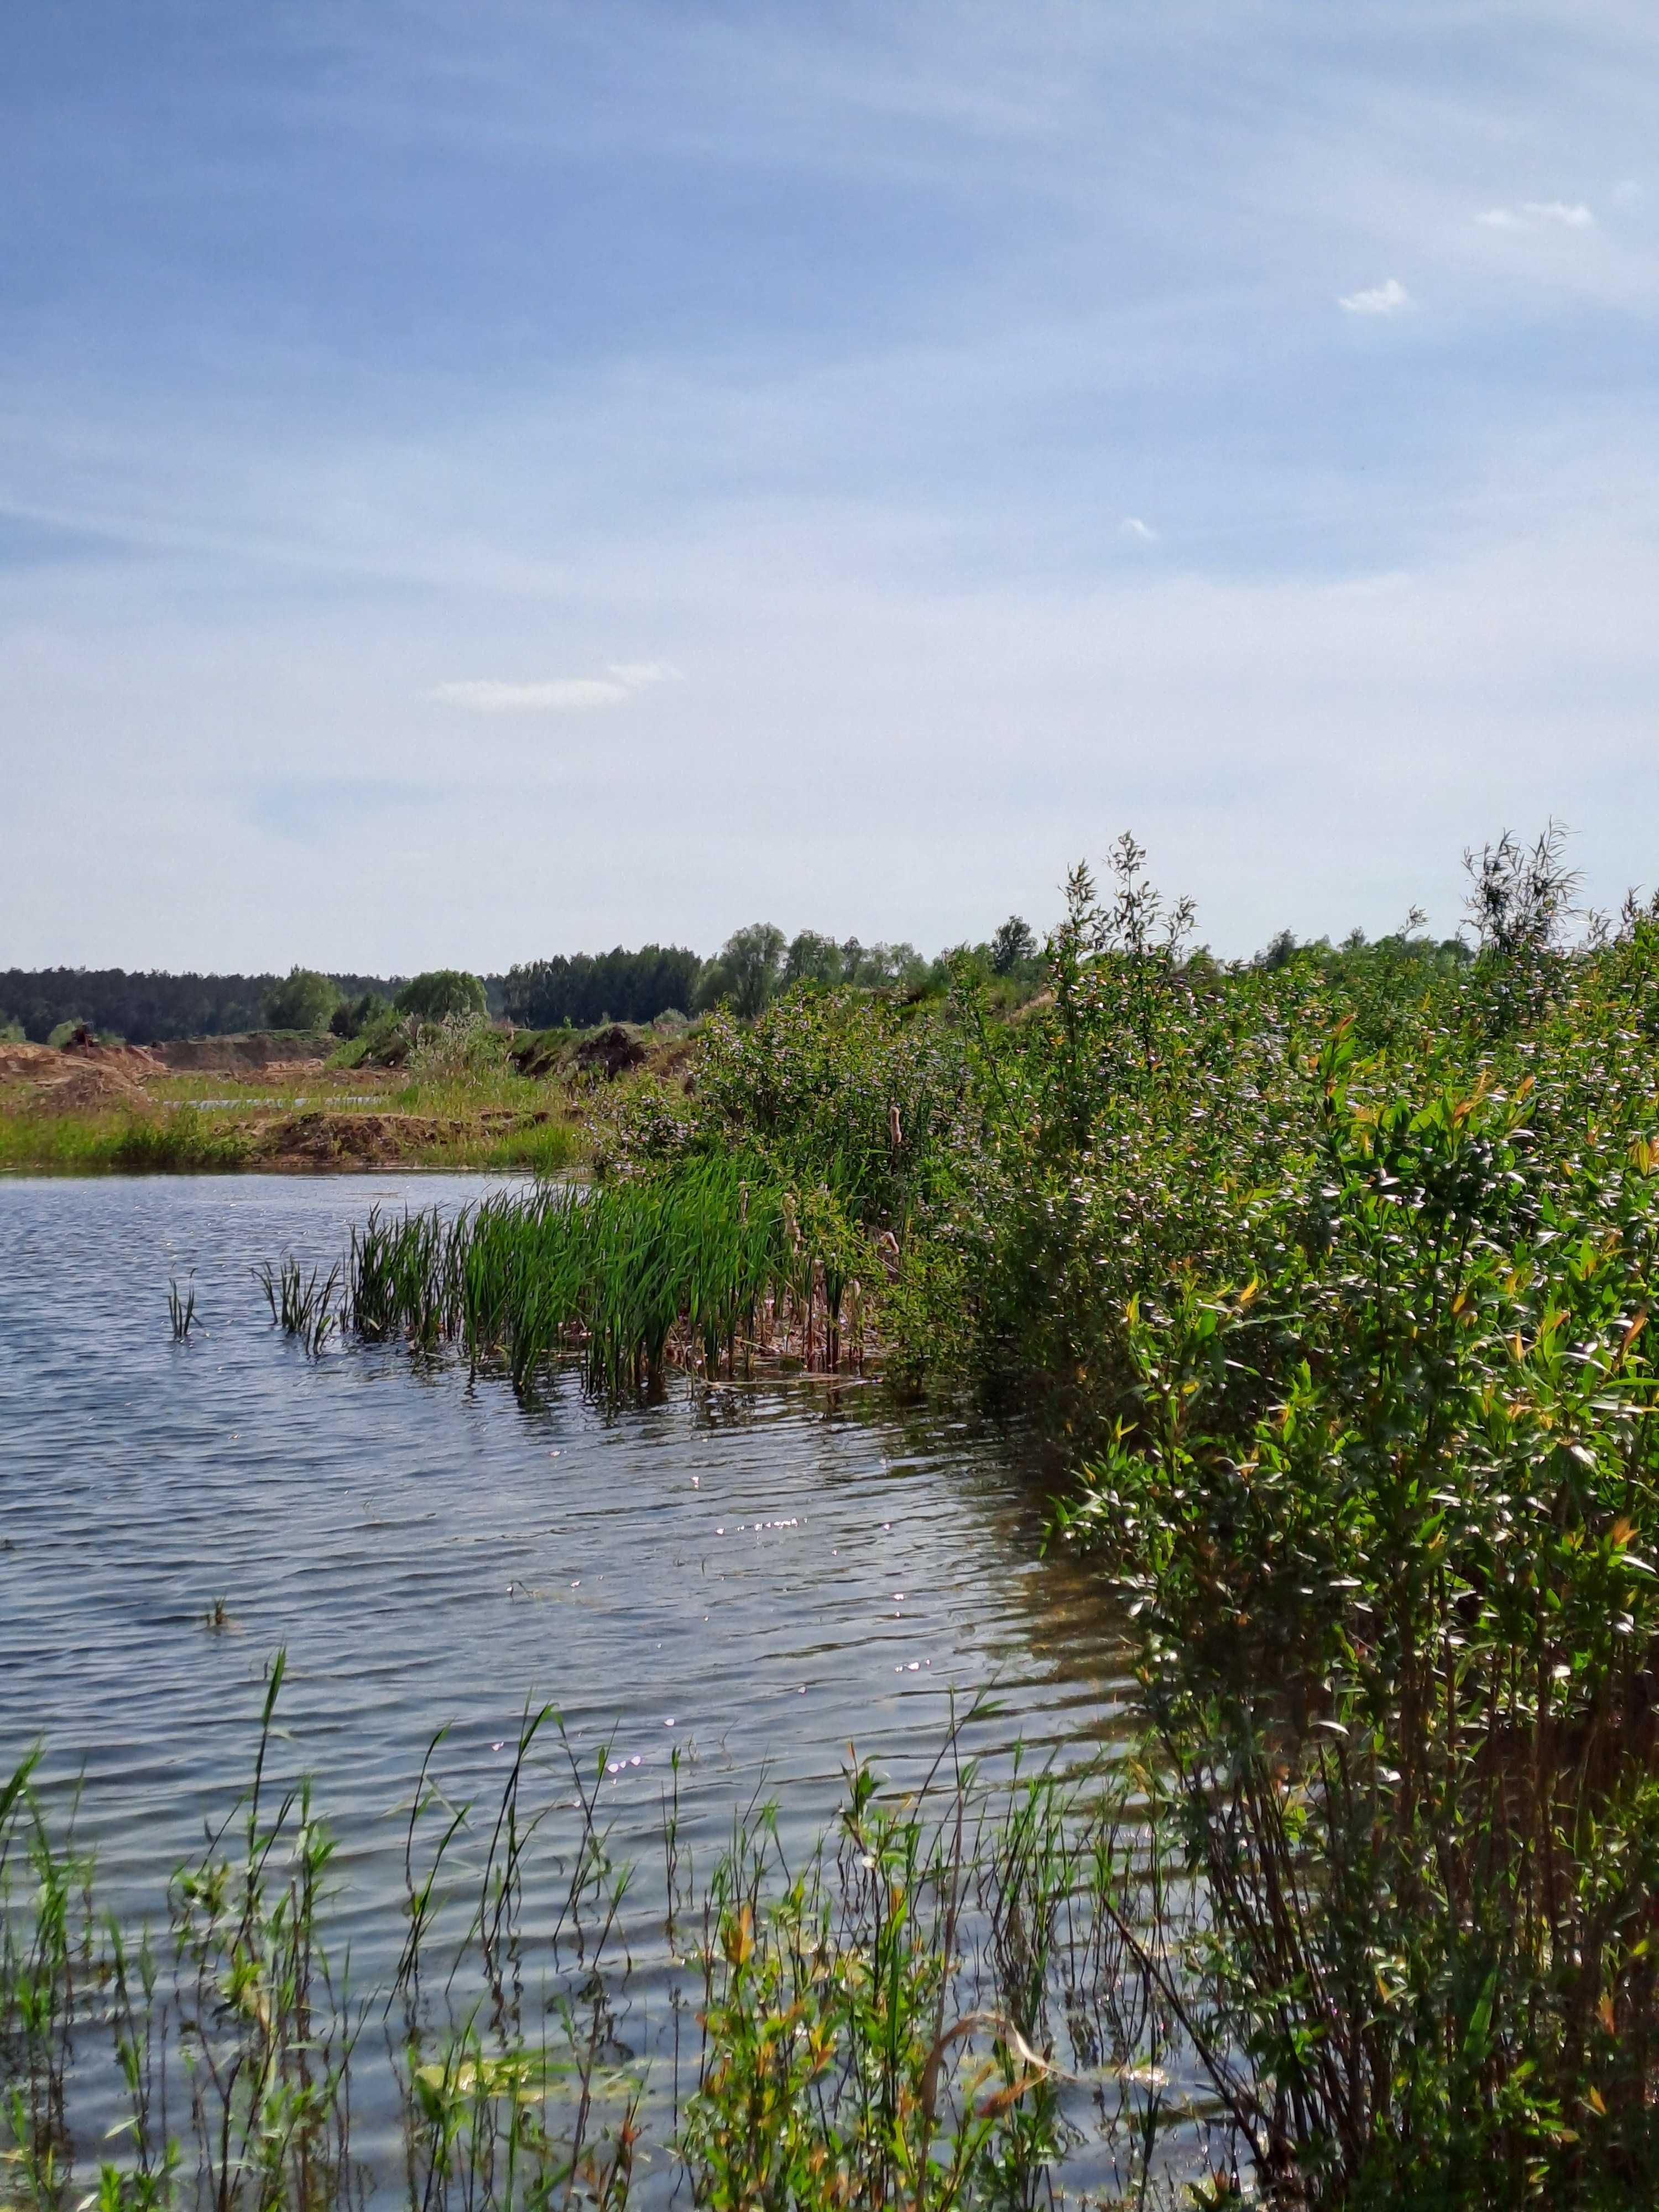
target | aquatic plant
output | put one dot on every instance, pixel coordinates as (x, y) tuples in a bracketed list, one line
[(705, 1265), (181, 1311), (936, 2008), (301, 1305)]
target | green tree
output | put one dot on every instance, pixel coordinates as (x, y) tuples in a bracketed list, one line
[(812, 958), (747, 971), (1013, 944), (442, 993), (353, 1016), (302, 1001)]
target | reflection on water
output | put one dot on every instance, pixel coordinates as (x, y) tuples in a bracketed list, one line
[(756, 1576)]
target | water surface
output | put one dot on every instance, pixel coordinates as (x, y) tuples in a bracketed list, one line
[(755, 1577)]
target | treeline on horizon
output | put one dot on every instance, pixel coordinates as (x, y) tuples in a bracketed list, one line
[(156, 1007), (579, 989), (148, 1008)]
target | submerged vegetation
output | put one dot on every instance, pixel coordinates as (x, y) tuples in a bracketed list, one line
[(931, 2009)]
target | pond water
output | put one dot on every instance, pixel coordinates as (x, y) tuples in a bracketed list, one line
[(753, 1576)]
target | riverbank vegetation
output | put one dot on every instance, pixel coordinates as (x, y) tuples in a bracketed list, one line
[(446, 1094), (929, 2009), (1331, 1274)]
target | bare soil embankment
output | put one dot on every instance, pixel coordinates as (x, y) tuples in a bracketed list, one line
[(231, 1102), (80, 1079)]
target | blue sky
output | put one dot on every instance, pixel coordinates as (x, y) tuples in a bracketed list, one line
[(482, 482)]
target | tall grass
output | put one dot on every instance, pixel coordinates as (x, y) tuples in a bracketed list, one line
[(172, 1143), (703, 1266), (301, 1305)]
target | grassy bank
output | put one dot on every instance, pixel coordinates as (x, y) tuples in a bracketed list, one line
[(304, 1139), (113, 1112)]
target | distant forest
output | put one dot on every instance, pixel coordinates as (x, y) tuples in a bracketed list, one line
[(582, 989), (585, 987), (146, 1009)]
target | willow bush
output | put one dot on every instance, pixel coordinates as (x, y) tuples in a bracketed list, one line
[(1334, 1273)]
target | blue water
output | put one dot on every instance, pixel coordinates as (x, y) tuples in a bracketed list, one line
[(755, 1577)]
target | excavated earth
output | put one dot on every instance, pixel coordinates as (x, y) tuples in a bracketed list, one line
[(80, 1079), (86, 1078)]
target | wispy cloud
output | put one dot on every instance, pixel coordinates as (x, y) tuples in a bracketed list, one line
[(636, 673), (1571, 215), (559, 695), (1384, 298), (1142, 533), (567, 695)]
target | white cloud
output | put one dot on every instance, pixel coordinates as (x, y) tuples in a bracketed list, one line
[(561, 695), (636, 673), (1142, 533), (569, 694), (1386, 299), (1571, 214)]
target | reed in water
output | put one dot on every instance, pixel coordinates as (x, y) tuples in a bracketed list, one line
[(706, 1268), (936, 2007)]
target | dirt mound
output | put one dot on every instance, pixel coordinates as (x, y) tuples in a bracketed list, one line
[(610, 1051), (229, 1055), (322, 1139), (84, 1078), (24, 1063), (137, 1060), (90, 1089)]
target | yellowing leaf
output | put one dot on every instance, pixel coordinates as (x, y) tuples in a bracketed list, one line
[(1004, 2100)]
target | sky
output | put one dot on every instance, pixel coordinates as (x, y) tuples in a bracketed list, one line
[(477, 483)]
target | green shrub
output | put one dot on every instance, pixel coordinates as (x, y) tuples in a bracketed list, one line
[(303, 1000), (353, 1016), (181, 1140), (442, 994)]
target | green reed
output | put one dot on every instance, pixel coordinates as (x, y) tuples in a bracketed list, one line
[(301, 1305), (936, 2007), (180, 1142), (181, 1311), (699, 1266)]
